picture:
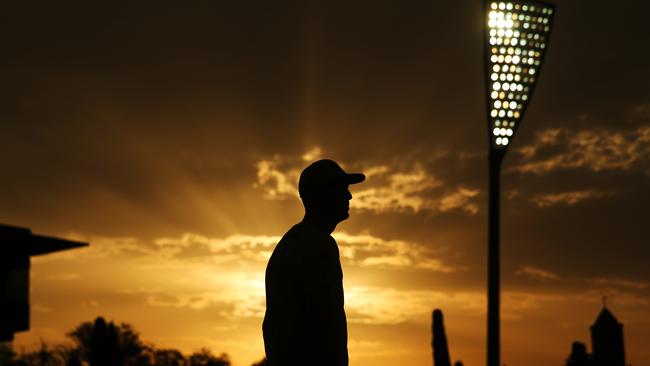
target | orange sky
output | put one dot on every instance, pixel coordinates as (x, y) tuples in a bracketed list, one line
[(193, 290), (171, 139)]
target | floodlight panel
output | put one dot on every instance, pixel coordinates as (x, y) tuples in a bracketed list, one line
[(516, 38)]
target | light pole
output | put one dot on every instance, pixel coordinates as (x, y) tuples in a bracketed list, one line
[(516, 38)]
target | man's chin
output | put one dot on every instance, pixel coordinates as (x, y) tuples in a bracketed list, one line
[(344, 216)]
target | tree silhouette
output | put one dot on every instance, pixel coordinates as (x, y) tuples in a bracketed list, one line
[(6, 353), (169, 357), (43, 356), (102, 343), (106, 344), (205, 358)]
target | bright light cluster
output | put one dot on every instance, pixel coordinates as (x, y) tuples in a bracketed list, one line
[(517, 37)]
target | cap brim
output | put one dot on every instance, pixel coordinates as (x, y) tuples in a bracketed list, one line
[(354, 178)]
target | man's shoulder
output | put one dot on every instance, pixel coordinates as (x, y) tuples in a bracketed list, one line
[(303, 230), (292, 236), (305, 238)]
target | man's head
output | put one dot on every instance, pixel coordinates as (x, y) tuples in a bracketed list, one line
[(323, 187)]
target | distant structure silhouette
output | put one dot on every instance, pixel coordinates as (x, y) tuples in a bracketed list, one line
[(579, 355), (305, 322), (17, 246), (439, 341), (606, 342)]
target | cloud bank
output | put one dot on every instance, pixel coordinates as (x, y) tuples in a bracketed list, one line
[(595, 150), (403, 188)]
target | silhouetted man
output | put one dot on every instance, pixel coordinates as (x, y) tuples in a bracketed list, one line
[(305, 321)]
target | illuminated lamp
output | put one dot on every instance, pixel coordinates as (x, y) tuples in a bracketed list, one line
[(516, 39)]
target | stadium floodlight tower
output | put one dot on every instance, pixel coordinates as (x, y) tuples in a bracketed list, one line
[(516, 38)]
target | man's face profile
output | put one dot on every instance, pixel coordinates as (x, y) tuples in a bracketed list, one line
[(323, 187), (332, 202), (339, 200)]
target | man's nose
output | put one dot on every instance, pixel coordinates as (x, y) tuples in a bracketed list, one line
[(348, 195)]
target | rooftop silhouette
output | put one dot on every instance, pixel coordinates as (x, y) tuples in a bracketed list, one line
[(606, 341), (17, 246)]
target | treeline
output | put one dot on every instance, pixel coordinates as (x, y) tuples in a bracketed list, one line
[(102, 343)]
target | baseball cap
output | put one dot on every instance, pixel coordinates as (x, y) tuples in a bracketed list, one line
[(322, 174)]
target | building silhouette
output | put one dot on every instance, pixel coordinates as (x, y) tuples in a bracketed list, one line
[(606, 343), (579, 355), (607, 340), (17, 246)]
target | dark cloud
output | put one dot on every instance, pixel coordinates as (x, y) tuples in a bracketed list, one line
[(593, 149)]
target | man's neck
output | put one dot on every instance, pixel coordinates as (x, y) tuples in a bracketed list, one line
[(323, 224)]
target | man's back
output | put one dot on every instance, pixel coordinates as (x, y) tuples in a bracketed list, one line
[(305, 320)]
